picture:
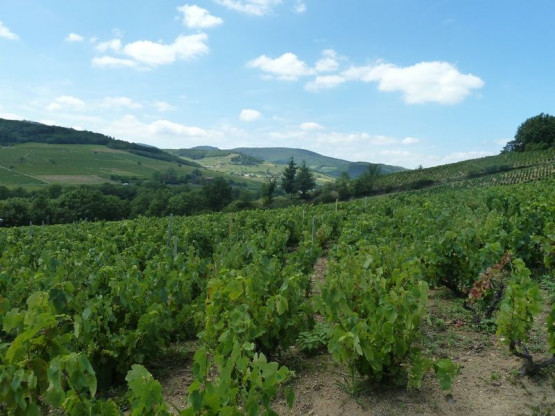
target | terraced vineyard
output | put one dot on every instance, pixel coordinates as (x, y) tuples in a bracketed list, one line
[(84, 307), (507, 168)]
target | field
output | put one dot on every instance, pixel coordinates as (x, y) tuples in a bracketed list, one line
[(259, 172), (341, 306), (503, 169), (36, 164)]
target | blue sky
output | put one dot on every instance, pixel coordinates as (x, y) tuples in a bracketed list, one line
[(402, 82)]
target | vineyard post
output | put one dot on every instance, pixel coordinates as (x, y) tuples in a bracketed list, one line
[(313, 229), (336, 202), (170, 230), (175, 245)]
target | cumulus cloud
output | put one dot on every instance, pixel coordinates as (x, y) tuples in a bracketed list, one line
[(248, 115), (120, 102), (286, 67), (252, 7), (11, 116), (434, 81), (66, 102), (162, 106), (113, 45), (322, 82), (161, 133), (328, 62), (311, 126), (148, 54), (74, 37), (7, 33), (111, 62), (196, 17), (410, 140)]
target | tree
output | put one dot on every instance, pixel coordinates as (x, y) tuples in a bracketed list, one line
[(536, 133), (364, 184), (218, 194), (268, 189), (288, 177), (342, 186), (304, 181)]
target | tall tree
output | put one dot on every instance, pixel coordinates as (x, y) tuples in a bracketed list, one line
[(364, 184), (305, 180), (288, 177), (536, 133), (268, 189)]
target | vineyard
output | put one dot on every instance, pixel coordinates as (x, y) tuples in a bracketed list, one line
[(88, 306), (503, 169)]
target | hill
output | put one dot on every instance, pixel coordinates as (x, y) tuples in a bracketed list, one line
[(324, 164), (14, 132), (34, 154), (506, 168), (264, 161)]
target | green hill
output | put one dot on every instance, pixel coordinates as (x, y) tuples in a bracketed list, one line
[(33, 154), (506, 168), (264, 161), (326, 165)]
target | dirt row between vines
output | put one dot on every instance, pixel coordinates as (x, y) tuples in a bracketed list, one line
[(488, 383)]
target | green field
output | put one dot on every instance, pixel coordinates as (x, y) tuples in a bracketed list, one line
[(36, 164), (259, 172)]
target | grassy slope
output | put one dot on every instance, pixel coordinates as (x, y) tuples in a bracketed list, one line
[(326, 165), (501, 169), (257, 172), (35, 164)]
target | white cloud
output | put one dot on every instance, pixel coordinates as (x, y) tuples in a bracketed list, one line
[(253, 7), (154, 54), (163, 106), (410, 140), (161, 133), (325, 82), (66, 102), (248, 115), (287, 67), (299, 7), (145, 54), (11, 116), (196, 17), (111, 62), (113, 45), (7, 33), (434, 81), (310, 126), (74, 37), (328, 62), (120, 102)]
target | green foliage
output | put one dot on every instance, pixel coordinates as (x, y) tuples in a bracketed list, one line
[(375, 304), (310, 342), (304, 180), (536, 133), (288, 177), (145, 393), (245, 383), (521, 304)]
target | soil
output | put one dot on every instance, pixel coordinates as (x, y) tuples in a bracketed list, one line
[(488, 384)]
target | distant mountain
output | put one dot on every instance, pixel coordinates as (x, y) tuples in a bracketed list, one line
[(324, 164)]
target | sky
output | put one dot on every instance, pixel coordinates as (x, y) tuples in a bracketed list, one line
[(402, 82)]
